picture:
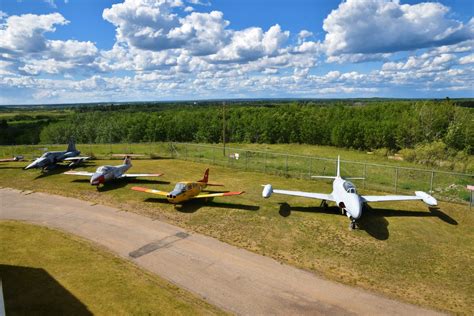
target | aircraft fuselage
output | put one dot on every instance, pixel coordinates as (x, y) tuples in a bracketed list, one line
[(345, 194), (107, 173), (184, 191)]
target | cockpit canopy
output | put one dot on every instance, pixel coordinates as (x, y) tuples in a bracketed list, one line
[(180, 187), (349, 187), (104, 169), (47, 154)]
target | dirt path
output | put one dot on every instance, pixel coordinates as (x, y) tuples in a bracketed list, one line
[(231, 278)]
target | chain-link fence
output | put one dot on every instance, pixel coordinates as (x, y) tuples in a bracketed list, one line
[(450, 186)]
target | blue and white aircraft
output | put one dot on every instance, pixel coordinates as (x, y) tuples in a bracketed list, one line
[(50, 159), (345, 195)]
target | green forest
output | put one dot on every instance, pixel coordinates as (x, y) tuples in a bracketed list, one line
[(440, 127)]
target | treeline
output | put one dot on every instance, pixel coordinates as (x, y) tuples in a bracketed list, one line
[(392, 125)]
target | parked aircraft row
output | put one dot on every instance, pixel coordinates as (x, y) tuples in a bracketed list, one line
[(344, 193)]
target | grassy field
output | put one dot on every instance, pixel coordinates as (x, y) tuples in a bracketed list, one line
[(46, 271), (402, 250), (291, 160)]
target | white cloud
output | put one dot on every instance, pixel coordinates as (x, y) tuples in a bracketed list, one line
[(385, 26), (24, 45), (251, 44), (469, 59), (25, 33)]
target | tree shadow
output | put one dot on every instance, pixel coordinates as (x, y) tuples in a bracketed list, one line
[(34, 291)]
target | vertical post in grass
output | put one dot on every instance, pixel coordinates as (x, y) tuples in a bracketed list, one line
[(431, 181), (286, 165), (185, 152), (396, 180), (213, 156), (310, 166), (246, 159), (365, 174), (265, 163)]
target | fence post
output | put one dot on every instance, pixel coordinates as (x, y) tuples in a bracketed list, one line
[(365, 174), (286, 166), (310, 166), (214, 156), (431, 181), (246, 159), (265, 163), (185, 151), (396, 180)]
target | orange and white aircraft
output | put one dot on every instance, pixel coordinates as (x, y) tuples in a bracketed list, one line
[(187, 190)]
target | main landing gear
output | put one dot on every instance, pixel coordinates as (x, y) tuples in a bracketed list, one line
[(352, 224), (324, 204)]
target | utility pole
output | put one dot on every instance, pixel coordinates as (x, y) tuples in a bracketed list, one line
[(223, 126)]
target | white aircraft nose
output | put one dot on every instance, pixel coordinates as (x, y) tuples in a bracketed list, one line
[(354, 206), (37, 163)]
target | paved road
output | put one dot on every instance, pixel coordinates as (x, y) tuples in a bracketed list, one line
[(231, 278)]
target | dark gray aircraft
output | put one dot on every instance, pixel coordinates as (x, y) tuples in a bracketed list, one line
[(50, 159)]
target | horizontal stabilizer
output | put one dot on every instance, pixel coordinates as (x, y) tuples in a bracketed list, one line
[(323, 177), (76, 158), (127, 155)]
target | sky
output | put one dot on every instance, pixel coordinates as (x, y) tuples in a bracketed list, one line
[(74, 51)]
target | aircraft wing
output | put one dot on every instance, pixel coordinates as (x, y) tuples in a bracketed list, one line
[(79, 173), (136, 175), (158, 192), (419, 195), (76, 158), (319, 196), (209, 195)]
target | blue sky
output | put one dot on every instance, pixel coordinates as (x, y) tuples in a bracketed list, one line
[(62, 51)]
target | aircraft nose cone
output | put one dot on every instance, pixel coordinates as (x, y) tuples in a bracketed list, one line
[(354, 206), (35, 164), (97, 179)]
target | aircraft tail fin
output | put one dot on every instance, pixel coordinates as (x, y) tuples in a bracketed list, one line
[(323, 177), (205, 180), (72, 145), (127, 160)]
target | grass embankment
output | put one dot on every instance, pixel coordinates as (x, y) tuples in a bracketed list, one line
[(402, 249), (46, 271)]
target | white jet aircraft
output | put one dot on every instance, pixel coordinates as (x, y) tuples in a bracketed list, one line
[(107, 173), (345, 195)]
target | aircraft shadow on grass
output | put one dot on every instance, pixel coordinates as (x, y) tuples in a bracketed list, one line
[(120, 183), (34, 291), (57, 170), (194, 205), (373, 220)]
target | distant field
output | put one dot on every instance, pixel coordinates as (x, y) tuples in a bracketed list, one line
[(402, 250), (46, 272), (299, 161)]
